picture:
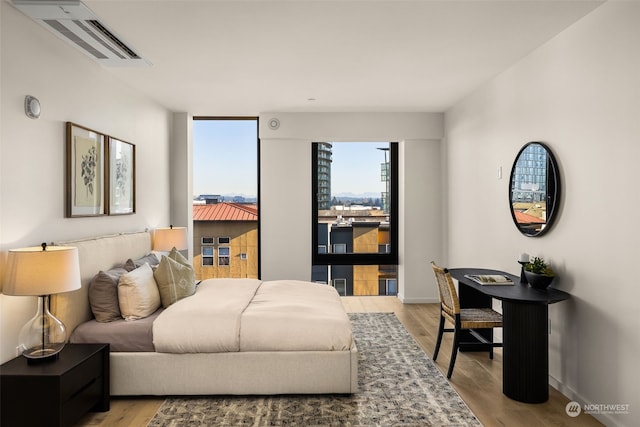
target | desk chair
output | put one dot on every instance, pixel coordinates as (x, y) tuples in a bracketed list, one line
[(462, 319)]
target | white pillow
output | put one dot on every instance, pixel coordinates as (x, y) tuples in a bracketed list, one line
[(138, 293)]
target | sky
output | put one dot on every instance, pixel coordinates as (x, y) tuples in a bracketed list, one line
[(225, 157), (225, 161)]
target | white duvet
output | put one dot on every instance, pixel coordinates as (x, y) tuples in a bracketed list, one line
[(227, 315)]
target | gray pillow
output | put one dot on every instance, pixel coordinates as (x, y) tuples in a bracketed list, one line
[(103, 295), (150, 259), (129, 265)]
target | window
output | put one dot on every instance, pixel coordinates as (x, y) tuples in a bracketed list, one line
[(341, 286), (361, 227), (384, 248), (388, 287), (224, 256), (339, 248), (226, 192), (354, 214), (207, 256)]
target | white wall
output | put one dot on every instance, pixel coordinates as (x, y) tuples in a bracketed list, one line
[(73, 88), (285, 179), (580, 94), (181, 176)]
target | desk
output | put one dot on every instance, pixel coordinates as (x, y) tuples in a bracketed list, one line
[(525, 330)]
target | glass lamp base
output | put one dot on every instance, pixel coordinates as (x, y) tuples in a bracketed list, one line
[(44, 336), (39, 354)]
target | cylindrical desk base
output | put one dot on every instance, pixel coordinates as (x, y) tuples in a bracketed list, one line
[(525, 363)]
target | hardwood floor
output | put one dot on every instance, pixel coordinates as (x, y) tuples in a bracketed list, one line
[(477, 379)]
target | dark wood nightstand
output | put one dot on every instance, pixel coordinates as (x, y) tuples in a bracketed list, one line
[(57, 392)]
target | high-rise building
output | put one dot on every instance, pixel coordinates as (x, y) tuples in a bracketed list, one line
[(530, 175), (324, 175)]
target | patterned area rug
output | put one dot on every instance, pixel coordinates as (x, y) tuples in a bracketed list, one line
[(399, 386)]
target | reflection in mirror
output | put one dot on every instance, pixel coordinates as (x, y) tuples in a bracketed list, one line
[(534, 189)]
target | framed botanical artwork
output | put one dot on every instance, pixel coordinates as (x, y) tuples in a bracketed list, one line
[(122, 177), (85, 177)]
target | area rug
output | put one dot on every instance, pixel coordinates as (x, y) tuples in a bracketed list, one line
[(399, 385)]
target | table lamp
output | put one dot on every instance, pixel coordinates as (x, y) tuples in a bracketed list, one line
[(42, 271), (165, 239)]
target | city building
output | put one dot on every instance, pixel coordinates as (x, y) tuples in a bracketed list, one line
[(324, 175), (362, 235), (225, 240)]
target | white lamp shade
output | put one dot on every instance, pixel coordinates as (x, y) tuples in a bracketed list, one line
[(34, 271), (165, 239)]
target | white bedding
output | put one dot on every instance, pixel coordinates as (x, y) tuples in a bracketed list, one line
[(230, 315)]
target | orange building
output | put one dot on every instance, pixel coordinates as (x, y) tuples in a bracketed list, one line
[(225, 240)]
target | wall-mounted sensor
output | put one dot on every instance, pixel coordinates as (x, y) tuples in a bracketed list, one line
[(274, 124), (31, 107)]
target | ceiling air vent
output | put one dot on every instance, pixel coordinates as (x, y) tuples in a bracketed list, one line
[(76, 24)]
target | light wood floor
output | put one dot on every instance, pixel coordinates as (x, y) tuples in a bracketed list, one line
[(476, 378)]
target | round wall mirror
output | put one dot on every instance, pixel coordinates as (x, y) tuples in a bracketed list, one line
[(534, 189)]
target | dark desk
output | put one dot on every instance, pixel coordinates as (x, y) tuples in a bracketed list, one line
[(525, 331)]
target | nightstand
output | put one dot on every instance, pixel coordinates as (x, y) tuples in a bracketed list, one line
[(57, 392)]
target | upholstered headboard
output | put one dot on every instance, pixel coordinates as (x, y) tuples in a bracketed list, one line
[(95, 254)]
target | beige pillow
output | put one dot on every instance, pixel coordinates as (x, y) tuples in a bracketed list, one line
[(138, 293), (177, 256), (175, 281)]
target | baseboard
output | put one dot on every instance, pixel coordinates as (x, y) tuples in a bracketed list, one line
[(404, 300)]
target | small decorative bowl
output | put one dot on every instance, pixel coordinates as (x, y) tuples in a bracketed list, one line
[(538, 281)]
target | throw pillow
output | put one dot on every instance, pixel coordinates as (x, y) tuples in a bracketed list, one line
[(138, 293), (150, 259), (177, 256), (103, 295), (175, 281)]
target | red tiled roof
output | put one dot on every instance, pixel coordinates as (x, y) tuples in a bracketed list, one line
[(225, 211), (524, 218)]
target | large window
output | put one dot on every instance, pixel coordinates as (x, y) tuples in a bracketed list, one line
[(225, 205), (355, 211)]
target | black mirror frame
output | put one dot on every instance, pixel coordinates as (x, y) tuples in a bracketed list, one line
[(552, 191)]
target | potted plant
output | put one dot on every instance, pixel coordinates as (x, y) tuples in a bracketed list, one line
[(538, 273)]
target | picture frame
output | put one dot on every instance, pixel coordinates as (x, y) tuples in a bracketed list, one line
[(122, 177), (85, 172)]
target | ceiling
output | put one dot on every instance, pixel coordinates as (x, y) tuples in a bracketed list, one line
[(248, 57)]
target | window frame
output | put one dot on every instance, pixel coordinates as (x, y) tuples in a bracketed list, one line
[(357, 258), (227, 257), (255, 119), (212, 257)]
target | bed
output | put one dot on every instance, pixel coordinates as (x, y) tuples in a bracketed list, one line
[(264, 360)]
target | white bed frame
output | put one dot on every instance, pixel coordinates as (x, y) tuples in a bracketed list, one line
[(140, 373)]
